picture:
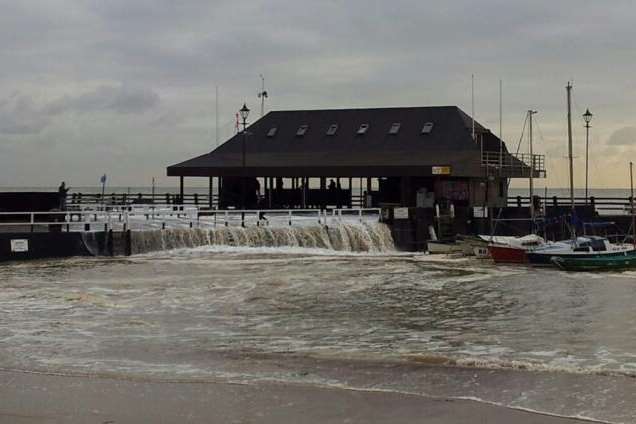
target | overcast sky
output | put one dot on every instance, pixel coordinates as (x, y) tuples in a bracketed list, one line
[(127, 87)]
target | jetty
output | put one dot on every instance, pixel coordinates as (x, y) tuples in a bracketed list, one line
[(424, 173)]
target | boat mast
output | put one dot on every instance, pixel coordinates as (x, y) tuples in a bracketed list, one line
[(532, 211), (570, 156), (631, 201), (472, 103)]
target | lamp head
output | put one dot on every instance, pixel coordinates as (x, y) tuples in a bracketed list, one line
[(587, 116), (244, 112)]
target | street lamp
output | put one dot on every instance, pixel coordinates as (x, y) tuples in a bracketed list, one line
[(244, 112), (587, 117)]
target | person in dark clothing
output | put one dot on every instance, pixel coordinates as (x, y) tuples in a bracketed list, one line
[(332, 185), (62, 191)]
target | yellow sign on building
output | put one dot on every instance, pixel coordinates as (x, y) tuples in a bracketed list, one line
[(441, 170)]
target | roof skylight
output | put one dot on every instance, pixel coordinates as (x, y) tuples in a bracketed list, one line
[(272, 131), (427, 128), (332, 129), (363, 129), (395, 128), (302, 130)]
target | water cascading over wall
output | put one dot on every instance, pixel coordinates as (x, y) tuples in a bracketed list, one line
[(362, 237)]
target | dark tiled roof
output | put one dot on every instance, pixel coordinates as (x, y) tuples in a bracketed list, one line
[(375, 153)]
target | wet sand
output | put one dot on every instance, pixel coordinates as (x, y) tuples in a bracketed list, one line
[(42, 398)]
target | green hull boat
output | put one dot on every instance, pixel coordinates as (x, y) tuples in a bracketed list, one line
[(601, 263)]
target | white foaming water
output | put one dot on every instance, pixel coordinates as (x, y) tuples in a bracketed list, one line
[(250, 291), (359, 237)]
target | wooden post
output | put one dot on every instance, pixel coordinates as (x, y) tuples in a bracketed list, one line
[(323, 187), (211, 192), (181, 189)]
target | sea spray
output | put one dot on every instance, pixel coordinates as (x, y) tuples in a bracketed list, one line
[(362, 237)]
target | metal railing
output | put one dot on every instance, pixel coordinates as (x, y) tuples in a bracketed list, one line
[(513, 165), (603, 205), (168, 216), (195, 199)]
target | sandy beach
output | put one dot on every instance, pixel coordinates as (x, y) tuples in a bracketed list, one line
[(41, 398)]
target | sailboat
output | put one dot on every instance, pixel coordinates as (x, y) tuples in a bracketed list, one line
[(621, 258), (534, 250), (516, 250)]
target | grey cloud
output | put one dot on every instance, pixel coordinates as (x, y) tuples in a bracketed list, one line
[(623, 137), (119, 99), (329, 53), (20, 115)]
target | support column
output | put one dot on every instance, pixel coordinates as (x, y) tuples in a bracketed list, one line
[(211, 193), (405, 198), (323, 190), (350, 191), (181, 189)]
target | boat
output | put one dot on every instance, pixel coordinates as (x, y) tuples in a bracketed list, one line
[(626, 260), (581, 247), (443, 247), (514, 250)]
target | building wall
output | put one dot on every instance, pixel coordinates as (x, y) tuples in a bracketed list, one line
[(491, 193)]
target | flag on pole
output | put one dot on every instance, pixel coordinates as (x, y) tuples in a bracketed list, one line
[(237, 122), (103, 179)]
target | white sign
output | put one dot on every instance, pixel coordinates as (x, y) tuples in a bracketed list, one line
[(480, 212), (401, 213), (20, 245)]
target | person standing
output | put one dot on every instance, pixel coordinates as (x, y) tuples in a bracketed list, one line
[(62, 192)]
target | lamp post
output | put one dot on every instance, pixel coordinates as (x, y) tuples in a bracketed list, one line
[(587, 117), (244, 114)]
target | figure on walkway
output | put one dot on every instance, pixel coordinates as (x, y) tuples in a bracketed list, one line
[(62, 192), (332, 185)]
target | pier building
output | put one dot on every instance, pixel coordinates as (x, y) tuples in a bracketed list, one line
[(399, 157)]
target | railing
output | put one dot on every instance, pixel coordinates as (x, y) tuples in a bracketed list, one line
[(141, 199), (513, 165), (195, 199), (603, 205), (167, 216)]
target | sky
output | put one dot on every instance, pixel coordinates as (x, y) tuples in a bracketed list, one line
[(127, 87)]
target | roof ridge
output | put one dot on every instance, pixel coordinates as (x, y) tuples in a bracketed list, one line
[(365, 109)]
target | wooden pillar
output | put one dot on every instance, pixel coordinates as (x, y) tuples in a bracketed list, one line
[(405, 198), (181, 189), (350, 191), (369, 185), (323, 192), (219, 203), (271, 189), (211, 193)]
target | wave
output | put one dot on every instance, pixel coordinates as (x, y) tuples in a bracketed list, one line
[(519, 365), (361, 237)]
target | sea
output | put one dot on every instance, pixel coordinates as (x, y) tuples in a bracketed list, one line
[(335, 307)]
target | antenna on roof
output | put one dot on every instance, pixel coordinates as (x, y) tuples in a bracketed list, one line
[(262, 95), (472, 101), (217, 116), (500, 125)]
